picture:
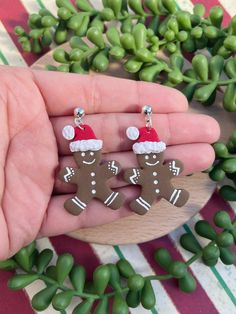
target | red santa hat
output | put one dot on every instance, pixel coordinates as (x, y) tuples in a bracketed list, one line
[(147, 140), (82, 138)]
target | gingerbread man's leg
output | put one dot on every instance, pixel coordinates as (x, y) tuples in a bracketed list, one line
[(111, 199), (177, 197), (143, 203), (75, 205)]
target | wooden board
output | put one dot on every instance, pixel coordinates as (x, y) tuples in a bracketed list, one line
[(160, 220), (164, 217)]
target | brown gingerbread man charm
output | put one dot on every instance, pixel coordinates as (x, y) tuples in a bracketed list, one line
[(91, 176), (154, 176)]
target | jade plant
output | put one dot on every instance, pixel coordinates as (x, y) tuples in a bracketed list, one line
[(225, 167), (118, 283), (144, 29)]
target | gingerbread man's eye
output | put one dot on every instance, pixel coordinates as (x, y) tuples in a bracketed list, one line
[(91, 153), (146, 157), (154, 156), (82, 154)]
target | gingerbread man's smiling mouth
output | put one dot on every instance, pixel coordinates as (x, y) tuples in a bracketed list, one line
[(150, 164), (89, 162)]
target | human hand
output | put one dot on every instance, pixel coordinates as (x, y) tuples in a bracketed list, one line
[(36, 105)]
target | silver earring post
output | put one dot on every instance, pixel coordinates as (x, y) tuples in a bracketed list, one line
[(147, 111), (79, 113)]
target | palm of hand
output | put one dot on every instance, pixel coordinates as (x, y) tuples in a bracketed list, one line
[(33, 109), (30, 160)]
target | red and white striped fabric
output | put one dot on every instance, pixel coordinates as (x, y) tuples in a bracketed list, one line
[(216, 285)]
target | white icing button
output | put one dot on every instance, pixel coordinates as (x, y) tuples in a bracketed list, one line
[(157, 190), (155, 181), (93, 191), (154, 173), (93, 182), (93, 174)]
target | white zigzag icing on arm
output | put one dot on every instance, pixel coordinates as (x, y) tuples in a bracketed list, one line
[(175, 168), (69, 173), (113, 166), (134, 176)]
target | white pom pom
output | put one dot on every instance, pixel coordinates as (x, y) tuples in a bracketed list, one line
[(132, 133), (68, 132)]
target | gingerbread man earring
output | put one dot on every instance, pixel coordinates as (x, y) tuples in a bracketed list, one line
[(154, 176), (90, 176)]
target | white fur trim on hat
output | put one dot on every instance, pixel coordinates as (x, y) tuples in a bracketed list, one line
[(132, 133), (149, 147), (68, 132), (85, 145)]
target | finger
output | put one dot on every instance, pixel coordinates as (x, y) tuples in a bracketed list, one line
[(195, 157), (58, 220), (99, 93), (173, 129)]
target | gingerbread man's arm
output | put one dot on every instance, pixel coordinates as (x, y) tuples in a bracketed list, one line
[(175, 167), (110, 168), (133, 175), (69, 174)]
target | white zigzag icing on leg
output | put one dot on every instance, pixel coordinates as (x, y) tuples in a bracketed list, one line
[(177, 196), (172, 195), (78, 203), (107, 200), (113, 198), (142, 204), (82, 203), (145, 202)]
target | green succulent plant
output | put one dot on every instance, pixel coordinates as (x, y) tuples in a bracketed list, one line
[(144, 29), (225, 167), (118, 282)]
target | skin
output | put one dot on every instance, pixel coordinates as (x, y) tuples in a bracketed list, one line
[(35, 106)]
